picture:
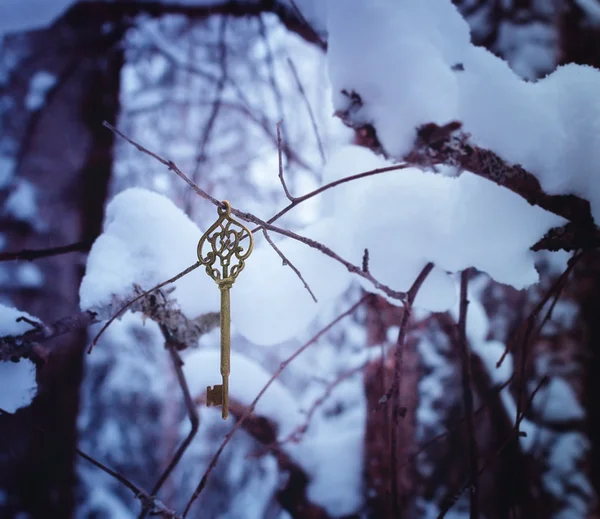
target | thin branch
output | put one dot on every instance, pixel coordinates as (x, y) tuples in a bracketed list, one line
[(148, 502), (172, 346), (515, 434), (135, 299), (281, 178), (251, 407), (467, 383), (556, 288), (289, 264), (395, 389), (296, 435), (299, 199), (215, 107), (308, 108), (29, 255)]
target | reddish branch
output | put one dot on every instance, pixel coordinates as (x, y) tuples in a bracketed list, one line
[(397, 411)]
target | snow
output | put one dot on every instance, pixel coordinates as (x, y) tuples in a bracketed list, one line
[(21, 203), (557, 402), (550, 127), (269, 303), (17, 380), (39, 85), (564, 477), (7, 168), (334, 460), (468, 221), (146, 240), (29, 275)]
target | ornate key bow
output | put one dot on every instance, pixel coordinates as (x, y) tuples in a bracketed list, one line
[(224, 259)]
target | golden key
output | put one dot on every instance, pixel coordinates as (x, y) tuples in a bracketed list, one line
[(224, 241)]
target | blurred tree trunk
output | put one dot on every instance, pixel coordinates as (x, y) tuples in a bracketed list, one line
[(62, 156), (580, 43)]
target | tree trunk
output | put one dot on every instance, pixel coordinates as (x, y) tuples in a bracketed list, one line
[(63, 155)]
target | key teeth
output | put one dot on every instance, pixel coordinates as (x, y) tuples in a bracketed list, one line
[(214, 395)]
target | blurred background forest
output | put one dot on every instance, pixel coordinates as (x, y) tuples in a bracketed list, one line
[(205, 85)]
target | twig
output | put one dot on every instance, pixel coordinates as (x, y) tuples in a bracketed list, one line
[(284, 364), (365, 261), (148, 502), (287, 262), (215, 106), (299, 199), (29, 254), (172, 347), (281, 178), (395, 389), (143, 294), (515, 433), (308, 108), (296, 435), (556, 287), (467, 382)]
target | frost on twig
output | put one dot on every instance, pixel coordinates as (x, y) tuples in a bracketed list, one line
[(161, 307)]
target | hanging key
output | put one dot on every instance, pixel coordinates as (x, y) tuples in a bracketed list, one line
[(223, 250)]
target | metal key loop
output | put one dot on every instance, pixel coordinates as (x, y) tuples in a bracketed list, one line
[(224, 259)]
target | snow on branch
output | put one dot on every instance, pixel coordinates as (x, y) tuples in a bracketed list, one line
[(538, 139)]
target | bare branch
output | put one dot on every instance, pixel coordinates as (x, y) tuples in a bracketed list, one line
[(296, 435), (29, 255), (215, 108), (397, 412), (148, 502), (287, 262), (308, 108), (250, 410), (172, 346)]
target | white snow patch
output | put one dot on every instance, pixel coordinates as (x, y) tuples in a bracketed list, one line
[(17, 380), (557, 402), (39, 85)]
